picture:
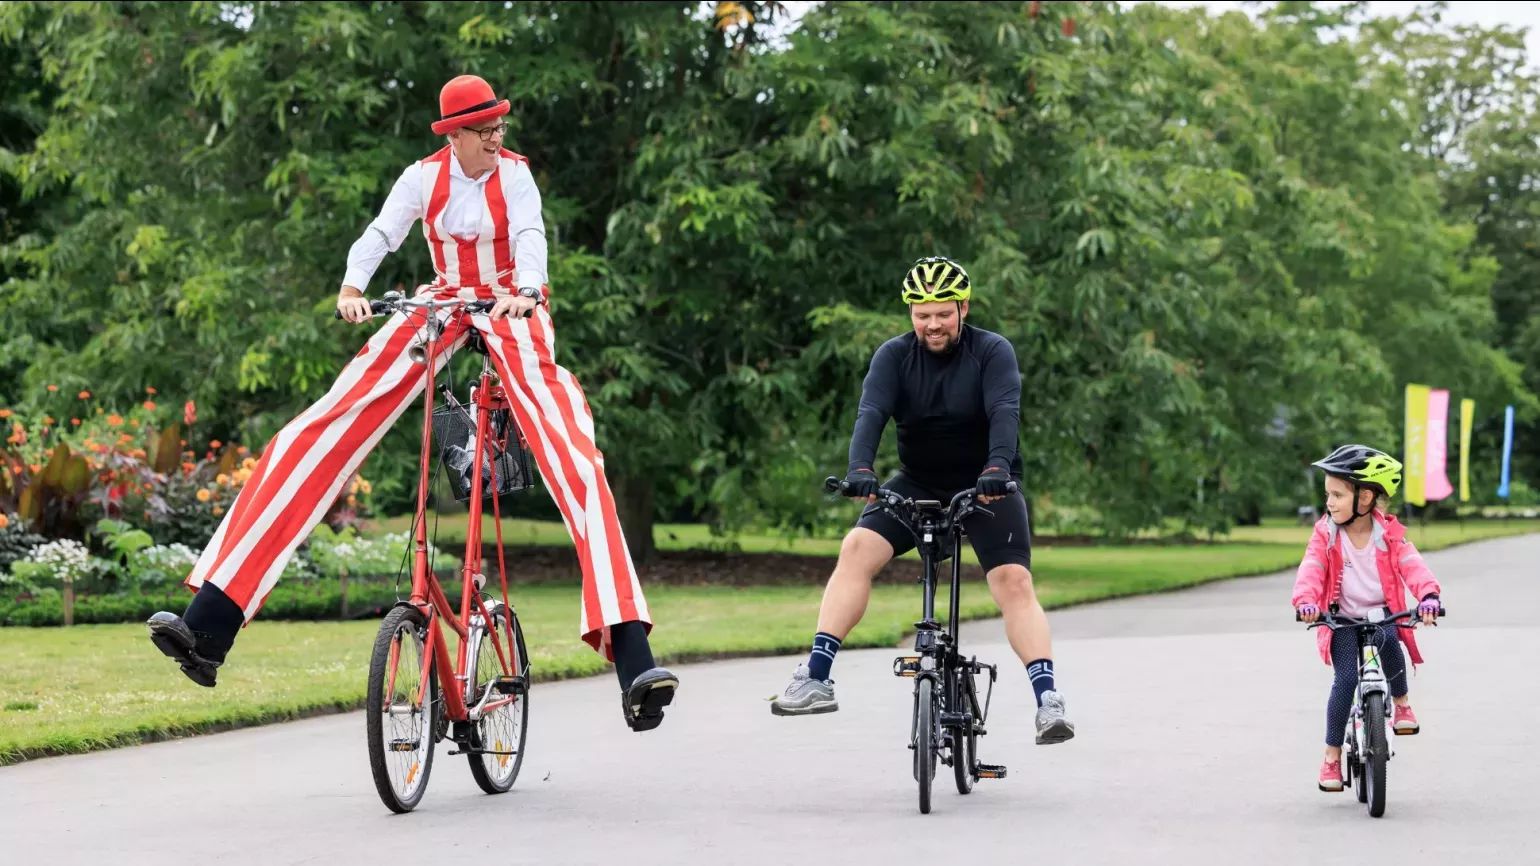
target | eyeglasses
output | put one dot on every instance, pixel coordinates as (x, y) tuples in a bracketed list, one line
[(499, 130)]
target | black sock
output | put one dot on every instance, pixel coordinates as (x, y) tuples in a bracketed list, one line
[(1041, 673), (633, 655), (821, 659), (215, 619)]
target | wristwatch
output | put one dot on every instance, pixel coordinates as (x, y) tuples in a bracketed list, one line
[(530, 292)]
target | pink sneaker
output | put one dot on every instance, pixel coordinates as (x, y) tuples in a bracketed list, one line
[(1406, 721), (1331, 777)]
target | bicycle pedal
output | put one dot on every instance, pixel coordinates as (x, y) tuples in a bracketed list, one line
[(405, 745), (991, 771), (511, 685), (906, 666)]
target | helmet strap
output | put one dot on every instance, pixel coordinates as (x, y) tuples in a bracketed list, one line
[(1357, 490)]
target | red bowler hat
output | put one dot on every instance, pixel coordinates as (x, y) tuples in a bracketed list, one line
[(465, 101)]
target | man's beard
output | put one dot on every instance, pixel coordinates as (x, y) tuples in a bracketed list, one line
[(946, 348)]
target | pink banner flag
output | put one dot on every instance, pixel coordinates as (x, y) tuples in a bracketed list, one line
[(1437, 484)]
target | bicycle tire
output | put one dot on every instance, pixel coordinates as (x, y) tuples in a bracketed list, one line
[(925, 741), (500, 782), (383, 756), (965, 742), (1374, 762)]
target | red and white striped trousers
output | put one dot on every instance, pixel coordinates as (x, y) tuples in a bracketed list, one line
[(301, 472)]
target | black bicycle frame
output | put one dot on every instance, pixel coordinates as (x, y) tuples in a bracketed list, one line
[(930, 549)]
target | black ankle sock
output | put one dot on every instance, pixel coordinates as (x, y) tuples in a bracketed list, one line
[(1041, 674), (633, 655), (215, 619), (821, 659)]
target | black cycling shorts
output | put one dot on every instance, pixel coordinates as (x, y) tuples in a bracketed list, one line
[(1003, 539)]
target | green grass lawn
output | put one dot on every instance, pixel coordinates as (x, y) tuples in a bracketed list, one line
[(89, 687), (689, 536)]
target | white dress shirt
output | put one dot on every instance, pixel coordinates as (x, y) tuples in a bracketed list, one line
[(462, 217)]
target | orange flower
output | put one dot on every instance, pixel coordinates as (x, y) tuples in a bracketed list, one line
[(53, 387), (204, 495), (4, 521), (150, 391), (124, 439), (134, 423), (150, 405), (138, 453), (85, 395), (47, 420), (218, 511), (114, 420), (36, 468), (189, 467), (214, 443), (5, 413), (75, 421)]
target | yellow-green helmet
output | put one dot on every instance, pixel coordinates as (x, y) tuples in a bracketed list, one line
[(1364, 466), (936, 278)]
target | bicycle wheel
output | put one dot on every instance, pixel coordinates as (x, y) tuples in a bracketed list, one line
[(401, 716), (964, 741), (498, 738), (1374, 762), (925, 741)]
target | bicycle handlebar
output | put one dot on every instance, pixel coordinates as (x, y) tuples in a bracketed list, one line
[(904, 510), (392, 302), (1335, 621)]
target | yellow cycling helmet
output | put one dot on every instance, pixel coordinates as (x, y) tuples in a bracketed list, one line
[(936, 278)]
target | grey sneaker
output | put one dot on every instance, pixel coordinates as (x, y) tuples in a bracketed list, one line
[(805, 696), (1052, 726)]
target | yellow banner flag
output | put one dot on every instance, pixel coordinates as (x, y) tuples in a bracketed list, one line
[(1416, 459), (1467, 418)]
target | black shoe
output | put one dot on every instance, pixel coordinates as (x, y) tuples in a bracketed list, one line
[(201, 638), (644, 701), (175, 639)]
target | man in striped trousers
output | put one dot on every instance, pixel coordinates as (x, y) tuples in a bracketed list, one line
[(481, 216)]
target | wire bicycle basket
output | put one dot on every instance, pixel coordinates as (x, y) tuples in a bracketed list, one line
[(455, 432)]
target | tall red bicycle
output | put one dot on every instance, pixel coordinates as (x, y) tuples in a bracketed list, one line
[(419, 692)]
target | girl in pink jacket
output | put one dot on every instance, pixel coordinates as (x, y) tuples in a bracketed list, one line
[(1359, 560)]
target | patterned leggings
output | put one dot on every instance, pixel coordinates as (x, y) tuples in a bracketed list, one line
[(1344, 659)]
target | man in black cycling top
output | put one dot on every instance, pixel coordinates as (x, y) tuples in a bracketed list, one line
[(955, 392)]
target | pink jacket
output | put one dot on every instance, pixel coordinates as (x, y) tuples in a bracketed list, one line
[(1401, 568)]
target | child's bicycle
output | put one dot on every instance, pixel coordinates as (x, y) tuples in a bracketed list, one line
[(419, 695), (1371, 724)]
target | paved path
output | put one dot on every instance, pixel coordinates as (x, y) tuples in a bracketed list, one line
[(1200, 717)]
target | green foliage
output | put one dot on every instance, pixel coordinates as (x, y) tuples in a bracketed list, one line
[(1219, 245)]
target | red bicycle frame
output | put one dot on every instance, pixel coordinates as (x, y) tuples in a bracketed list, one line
[(427, 595)]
